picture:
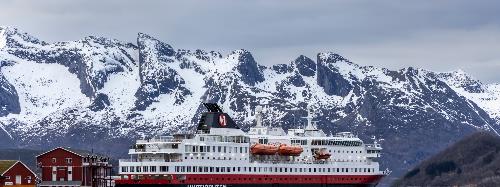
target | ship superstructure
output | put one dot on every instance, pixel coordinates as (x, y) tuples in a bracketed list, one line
[(221, 154)]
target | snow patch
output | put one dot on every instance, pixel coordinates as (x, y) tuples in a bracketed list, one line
[(43, 89), (3, 39)]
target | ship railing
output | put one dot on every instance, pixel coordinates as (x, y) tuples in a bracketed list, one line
[(299, 162), (159, 141), (373, 146), (149, 160), (161, 150)]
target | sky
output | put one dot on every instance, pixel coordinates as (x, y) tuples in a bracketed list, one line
[(441, 36)]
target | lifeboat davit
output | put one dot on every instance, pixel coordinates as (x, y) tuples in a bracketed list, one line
[(263, 149), (320, 155), (287, 150)]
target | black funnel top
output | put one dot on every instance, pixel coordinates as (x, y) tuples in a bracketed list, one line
[(215, 118), (212, 107)]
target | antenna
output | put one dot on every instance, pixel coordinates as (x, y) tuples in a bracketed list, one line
[(258, 116), (310, 116)]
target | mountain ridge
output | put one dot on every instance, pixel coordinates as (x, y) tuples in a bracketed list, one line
[(109, 92)]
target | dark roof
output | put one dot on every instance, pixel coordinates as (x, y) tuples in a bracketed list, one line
[(6, 165), (78, 152)]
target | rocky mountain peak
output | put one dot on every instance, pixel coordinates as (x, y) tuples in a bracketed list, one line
[(329, 76), (147, 43), (461, 79), (250, 71), (330, 57), (305, 65), (14, 37), (106, 42)]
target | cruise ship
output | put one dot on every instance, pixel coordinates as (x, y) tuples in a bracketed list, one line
[(220, 154)]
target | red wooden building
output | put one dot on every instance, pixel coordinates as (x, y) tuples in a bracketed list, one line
[(15, 173), (69, 167)]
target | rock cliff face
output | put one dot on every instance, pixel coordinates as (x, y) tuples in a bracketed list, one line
[(102, 94)]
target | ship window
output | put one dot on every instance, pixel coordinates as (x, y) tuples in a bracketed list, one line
[(224, 150), (138, 168), (54, 160), (163, 169), (132, 168), (152, 168), (145, 169), (193, 148), (124, 169), (201, 148)]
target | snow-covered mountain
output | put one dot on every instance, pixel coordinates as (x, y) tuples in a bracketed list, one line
[(99, 93), (486, 96)]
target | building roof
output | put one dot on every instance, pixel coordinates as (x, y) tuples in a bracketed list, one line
[(5, 165), (78, 152)]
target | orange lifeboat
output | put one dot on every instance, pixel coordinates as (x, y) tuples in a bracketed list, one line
[(287, 150), (263, 149), (321, 155)]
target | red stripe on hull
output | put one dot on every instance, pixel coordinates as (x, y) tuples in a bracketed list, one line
[(253, 179)]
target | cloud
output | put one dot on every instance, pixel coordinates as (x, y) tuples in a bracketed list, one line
[(435, 35)]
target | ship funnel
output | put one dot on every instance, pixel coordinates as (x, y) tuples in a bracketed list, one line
[(215, 118)]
